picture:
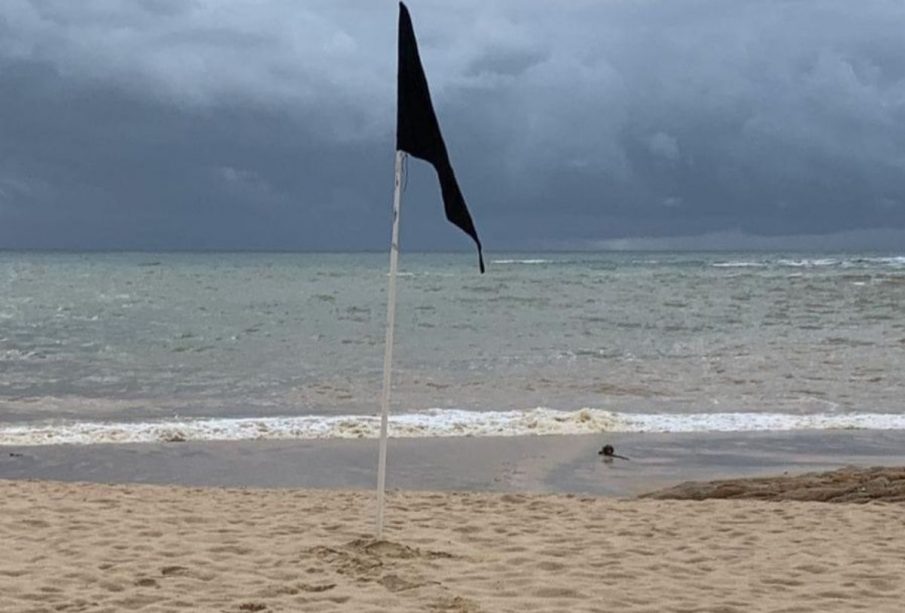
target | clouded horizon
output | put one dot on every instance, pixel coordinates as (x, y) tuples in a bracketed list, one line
[(170, 124)]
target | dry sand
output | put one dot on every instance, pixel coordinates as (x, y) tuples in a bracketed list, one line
[(87, 547)]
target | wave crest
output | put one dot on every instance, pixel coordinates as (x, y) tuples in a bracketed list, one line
[(432, 423)]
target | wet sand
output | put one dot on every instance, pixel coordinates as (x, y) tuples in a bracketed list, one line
[(564, 464), (850, 484)]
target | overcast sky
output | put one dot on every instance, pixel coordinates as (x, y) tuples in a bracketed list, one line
[(241, 124)]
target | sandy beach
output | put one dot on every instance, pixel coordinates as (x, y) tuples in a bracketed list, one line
[(93, 547)]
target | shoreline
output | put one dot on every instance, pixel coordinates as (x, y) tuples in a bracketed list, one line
[(543, 464)]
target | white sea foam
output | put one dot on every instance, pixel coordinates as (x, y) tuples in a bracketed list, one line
[(890, 261), (809, 262), (433, 423), (741, 264), (529, 261)]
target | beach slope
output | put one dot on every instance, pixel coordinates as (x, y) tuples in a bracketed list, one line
[(90, 547), (850, 484)]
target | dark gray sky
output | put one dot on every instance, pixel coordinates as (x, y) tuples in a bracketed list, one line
[(612, 123)]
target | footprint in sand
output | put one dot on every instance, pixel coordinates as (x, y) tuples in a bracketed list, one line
[(305, 587), (395, 583), (456, 604)]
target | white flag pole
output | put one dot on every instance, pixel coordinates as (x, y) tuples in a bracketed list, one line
[(388, 349)]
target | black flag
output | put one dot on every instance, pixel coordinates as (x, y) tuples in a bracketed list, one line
[(417, 130)]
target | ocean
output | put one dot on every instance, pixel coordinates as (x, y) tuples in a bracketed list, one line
[(146, 347)]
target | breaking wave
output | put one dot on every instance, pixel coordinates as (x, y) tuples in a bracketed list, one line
[(431, 423), (896, 262), (528, 261)]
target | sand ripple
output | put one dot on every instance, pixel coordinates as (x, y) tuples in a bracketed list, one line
[(80, 547)]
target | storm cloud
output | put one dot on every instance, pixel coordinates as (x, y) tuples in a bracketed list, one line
[(270, 125)]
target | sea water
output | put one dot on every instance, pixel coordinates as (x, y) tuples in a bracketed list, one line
[(101, 347)]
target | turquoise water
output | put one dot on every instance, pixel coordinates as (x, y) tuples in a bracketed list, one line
[(136, 336)]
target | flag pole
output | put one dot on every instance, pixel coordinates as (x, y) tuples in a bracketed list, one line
[(388, 348)]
